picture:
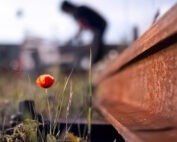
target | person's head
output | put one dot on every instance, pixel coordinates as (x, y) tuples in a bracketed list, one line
[(67, 6)]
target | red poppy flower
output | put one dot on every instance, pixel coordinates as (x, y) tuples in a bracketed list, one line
[(45, 81)]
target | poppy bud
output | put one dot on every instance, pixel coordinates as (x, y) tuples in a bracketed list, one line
[(45, 81)]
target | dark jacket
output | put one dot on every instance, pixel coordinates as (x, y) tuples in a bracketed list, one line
[(90, 19)]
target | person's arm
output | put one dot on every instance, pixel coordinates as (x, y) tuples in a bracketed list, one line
[(82, 26), (77, 35)]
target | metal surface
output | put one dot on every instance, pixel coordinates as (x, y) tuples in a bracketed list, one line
[(138, 93), (159, 31)]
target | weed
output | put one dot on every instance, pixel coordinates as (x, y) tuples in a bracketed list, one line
[(58, 105)]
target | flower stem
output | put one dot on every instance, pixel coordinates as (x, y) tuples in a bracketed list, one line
[(48, 105)]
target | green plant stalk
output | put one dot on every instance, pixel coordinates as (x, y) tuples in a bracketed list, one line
[(48, 105), (3, 124), (68, 106), (61, 103), (89, 115)]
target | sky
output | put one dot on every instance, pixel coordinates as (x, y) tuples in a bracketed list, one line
[(44, 19)]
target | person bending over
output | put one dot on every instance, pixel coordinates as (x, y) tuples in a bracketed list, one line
[(88, 18)]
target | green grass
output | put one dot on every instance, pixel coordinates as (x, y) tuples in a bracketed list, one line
[(14, 90), (53, 103)]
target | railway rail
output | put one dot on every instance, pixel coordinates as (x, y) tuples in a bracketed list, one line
[(137, 93)]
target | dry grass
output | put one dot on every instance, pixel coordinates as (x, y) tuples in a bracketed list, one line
[(13, 90)]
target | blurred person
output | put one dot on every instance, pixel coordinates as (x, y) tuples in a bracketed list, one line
[(88, 18)]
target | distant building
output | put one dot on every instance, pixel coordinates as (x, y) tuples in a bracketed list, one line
[(9, 55), (37, 54)]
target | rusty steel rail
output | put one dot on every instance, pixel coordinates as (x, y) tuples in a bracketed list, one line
[(137, 93)]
